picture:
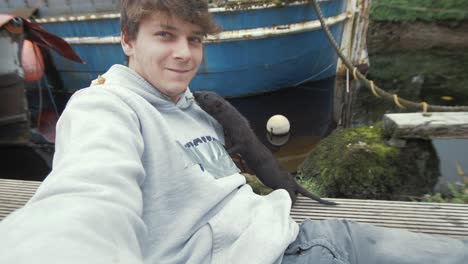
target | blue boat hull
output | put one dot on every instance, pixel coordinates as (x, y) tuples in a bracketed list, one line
[(273, 63), (232, 67)]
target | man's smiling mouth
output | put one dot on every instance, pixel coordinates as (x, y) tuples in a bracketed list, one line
[(179, 70)]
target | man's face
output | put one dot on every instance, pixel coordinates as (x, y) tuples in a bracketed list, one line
[(166, 52)]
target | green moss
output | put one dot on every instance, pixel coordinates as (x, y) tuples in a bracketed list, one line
[(311, 186), (351, 163), (356, 163), (257, 186), (424, 10)]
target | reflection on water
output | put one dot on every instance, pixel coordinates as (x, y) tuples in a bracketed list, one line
[(436, 76), (309, 109), (451, 152)]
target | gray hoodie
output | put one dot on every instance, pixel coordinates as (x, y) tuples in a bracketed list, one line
[(139, 179)]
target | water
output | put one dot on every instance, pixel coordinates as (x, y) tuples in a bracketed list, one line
[(437, 76), (451, 152), (309, 109)]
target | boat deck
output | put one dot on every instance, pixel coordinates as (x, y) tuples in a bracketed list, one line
[(431, 218)]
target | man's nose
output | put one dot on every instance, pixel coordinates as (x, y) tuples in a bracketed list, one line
[(182, 50)]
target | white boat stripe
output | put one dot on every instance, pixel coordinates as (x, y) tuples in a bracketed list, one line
[(232, 35)]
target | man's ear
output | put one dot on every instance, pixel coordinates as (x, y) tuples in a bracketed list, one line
[(127, 46)]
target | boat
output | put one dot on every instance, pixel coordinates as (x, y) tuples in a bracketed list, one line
[(264, 46)]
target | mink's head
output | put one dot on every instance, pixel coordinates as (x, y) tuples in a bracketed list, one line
[(210, 102), (221, 110)]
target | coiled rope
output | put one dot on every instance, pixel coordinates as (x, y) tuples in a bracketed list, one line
[(376, 91)]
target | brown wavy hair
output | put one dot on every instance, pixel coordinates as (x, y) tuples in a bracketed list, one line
[(132, 12)]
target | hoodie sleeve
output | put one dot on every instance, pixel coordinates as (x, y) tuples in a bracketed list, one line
[(88, 210)]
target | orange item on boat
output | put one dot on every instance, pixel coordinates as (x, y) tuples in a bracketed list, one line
[(32, 61)]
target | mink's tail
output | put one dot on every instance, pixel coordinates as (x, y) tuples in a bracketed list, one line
[(312, 196)]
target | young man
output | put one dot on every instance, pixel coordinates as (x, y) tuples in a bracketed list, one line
[(140, 174)]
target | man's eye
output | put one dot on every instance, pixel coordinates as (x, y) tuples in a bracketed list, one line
[(163, 34), (196, 39)]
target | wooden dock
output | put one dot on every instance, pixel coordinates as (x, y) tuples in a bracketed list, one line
[(431, 218), (14, 194)]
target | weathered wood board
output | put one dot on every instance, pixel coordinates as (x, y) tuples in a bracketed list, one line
[(432, 218), (426, 125)]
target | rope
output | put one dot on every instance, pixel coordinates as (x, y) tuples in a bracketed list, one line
[(424, 106), (460, 171), (354, 74), (397, 102), (372, 87), (400, 102)]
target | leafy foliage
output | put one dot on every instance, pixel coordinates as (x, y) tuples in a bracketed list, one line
[(458, 193)]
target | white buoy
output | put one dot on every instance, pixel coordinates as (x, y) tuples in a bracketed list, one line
[(278, 125), (277, 140)]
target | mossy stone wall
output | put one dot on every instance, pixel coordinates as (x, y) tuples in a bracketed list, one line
[(357, 163)]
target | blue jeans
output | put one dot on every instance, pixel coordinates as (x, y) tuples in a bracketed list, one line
[(344, 241)]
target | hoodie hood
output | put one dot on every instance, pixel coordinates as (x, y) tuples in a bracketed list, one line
[(125, 77)]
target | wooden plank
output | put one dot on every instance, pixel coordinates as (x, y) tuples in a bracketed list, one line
[(14, 194), (452, 219), (426, 125), (26, 184), (432, 218)]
